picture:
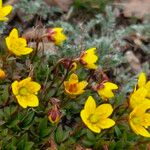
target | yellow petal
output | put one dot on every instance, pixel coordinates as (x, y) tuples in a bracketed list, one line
[(5, 10), (90, 105), (21, 51), (137, 111), (142, 79), (13, 34), (0, 3), (78, 92), (25, 51), (22, 100), (138, 97), (7, 39), (105, 93), (91, 66), (84, 116), (73, 78), (89, 58), (90, 55), (147, 86), (22, 42), (140, 130), (15, 87), (58, 36), (3, 18), (33, 87), (105, 123), (133, 127), (25, 81), (82, 85), (104, 110), (32, 100), (146, 119), (57, 29), (94, 128), (110, 85)]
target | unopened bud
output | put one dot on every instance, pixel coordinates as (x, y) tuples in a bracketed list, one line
[(54, 114), (2, 74)]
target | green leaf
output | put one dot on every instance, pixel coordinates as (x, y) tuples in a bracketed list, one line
[(23, 143), (43, 129), (117, 131), (28, 119), (90, 135), (87, 143), (59, 135)]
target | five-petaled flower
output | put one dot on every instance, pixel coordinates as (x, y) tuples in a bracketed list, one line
[(139, 119), (88, 58), (96, 118), (4, 11), (17, 45), (73, 87), (105, 90), (56, 35), (26, 92), (2, 74)]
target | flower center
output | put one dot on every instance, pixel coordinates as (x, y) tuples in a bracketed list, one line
[(94, 118), (23, 91), (16, 44), (136, 120), (73, 88)]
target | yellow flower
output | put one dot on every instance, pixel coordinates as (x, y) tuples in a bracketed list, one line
[(138, 97), (4, 11), (88, 58), (17, 45), (73, 87), (142, 83), (2, 74), (96, 118), (105, 91), (56, 35), (139, 119), (25, 92)]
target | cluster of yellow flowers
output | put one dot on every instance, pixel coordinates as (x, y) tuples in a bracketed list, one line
[(140, 103), (95, 118)]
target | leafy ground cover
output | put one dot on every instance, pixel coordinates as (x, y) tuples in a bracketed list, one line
[(74, 75)]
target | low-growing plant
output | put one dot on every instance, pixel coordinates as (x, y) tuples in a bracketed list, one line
[(68, 99)]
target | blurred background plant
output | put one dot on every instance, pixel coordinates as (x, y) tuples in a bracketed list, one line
[(122, 43)]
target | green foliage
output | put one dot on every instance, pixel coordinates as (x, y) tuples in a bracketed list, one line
[(91, 5), (27, 129), (37, 7)]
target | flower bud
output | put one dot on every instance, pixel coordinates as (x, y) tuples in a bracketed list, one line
[(56, 36), (54, 114), (2, 74)]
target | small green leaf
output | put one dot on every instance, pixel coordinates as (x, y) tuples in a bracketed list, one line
[(90, 135), (43, 129), (117, 131), (28, 119), (59, 135), (87, 143)]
